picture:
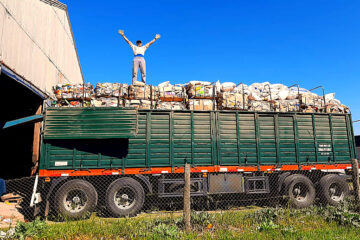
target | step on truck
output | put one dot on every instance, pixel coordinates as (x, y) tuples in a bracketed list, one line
[(115, 158)]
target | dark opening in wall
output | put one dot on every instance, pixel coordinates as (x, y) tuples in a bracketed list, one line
[(16, 101)]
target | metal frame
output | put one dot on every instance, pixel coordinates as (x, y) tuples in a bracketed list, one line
[(8, 72), (163, 181), (250, 184)]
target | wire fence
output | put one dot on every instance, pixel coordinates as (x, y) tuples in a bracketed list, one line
[(118, 196)]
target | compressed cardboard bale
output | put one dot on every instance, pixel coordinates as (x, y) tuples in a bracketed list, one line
[(260, 106), (138, 104), (232, 100), (73, 91), (111, 90), (146, 92), (201, 104), (286, 105), (197, 89), (311, 99), (335, 106), (106, 102), (173, 92), (171, 106)]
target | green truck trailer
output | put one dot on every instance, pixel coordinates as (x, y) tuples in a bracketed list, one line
[(117, 157)]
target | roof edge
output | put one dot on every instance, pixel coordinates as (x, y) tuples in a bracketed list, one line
[(55, 3)]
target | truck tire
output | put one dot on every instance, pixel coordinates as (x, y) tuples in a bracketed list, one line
[(333, 189), (125, 197), (76, 199), (300, 190)]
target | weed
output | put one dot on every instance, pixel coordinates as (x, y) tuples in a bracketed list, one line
[(267, 225), (163, 231), (31, 229)]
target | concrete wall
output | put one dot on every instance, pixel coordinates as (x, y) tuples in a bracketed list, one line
[(36, 42)]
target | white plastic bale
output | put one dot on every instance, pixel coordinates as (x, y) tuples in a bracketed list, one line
[(228, 86)]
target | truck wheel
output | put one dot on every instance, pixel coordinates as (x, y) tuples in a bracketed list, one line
[(333, 189), (300, 190), (125, 197), (76, 199)]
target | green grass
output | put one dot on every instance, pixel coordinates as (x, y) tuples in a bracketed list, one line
[(248, 223)]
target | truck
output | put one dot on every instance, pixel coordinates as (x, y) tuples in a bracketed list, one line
[(117, 157)]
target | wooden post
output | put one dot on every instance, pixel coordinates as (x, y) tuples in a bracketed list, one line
[(187, 210), (36, 144), (355, 170)]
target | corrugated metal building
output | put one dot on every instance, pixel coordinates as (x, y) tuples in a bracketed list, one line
[(37, 51)]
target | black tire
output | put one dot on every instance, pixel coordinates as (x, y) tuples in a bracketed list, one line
[(76, 199), (124, 197), (333, 189), (300, 191)]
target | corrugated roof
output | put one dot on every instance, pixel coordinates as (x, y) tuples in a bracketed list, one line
[(55, 3)]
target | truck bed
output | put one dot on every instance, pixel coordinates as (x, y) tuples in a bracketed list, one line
[(155, 141)]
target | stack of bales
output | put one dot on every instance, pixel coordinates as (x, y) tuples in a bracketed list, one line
[(198, 96)]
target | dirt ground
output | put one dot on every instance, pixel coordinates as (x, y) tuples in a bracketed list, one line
[(9, 215)]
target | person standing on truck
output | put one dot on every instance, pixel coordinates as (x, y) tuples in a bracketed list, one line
[(139, 60)]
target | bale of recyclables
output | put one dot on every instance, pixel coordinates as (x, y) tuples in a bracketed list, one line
[(146, 92), (73, 92), (198, 89), (232, 97), (201, 104), (111, 90), (198, 95)]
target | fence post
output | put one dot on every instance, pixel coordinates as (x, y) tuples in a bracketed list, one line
[(187, 210), (355, 170)]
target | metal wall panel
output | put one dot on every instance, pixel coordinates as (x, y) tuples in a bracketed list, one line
[(37, 43), (88, 123)]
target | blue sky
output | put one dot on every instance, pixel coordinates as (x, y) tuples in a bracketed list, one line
[(306, 42)]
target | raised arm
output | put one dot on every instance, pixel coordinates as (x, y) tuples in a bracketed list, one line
[(121, 32), (152, 41)]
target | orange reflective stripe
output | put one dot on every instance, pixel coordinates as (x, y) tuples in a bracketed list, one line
[(164, 170)]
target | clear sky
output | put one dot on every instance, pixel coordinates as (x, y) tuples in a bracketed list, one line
[(309, 42)]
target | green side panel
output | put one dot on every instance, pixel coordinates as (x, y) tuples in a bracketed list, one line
[(267, 142), (182, 138), (227, 138), (159, 139), (324, 142), (307, 138), (136, 156), (287, 143), (90, 123), (342, 145), (202, 138), (84, 153), (228, 141), (247, 138)]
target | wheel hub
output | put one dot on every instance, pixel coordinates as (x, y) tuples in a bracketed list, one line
[(125, 198), (336, 193), (75, 201), (300, 192)]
